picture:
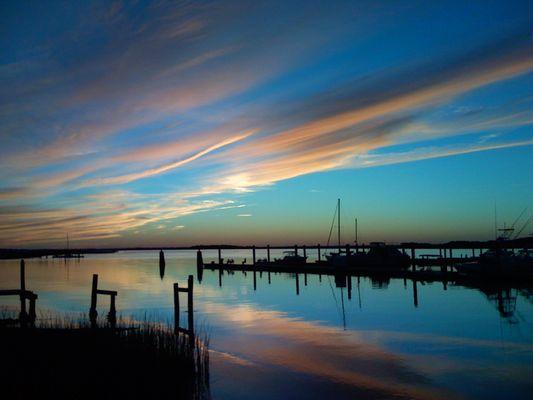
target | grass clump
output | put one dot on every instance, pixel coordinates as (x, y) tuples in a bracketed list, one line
[(64, 358)]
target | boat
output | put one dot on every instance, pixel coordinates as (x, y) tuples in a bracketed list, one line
[(291, 258), (379, 254), (500, 261), (68, 253)]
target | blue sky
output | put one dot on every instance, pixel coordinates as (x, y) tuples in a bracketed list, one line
[(155, 123)]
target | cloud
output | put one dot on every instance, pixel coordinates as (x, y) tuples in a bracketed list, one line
[(100, 122)]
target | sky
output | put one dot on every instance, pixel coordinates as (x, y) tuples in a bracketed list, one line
[(179, 123)]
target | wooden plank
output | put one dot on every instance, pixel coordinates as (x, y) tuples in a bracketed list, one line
[(10, 292), (107, 292)]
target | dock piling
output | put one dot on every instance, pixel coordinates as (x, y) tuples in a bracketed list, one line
[(176, 307), (199, 259), (190, 321), (93, 314), (253, 254), (23, 314)]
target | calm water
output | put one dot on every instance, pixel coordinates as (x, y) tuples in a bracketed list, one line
[(271, 343)]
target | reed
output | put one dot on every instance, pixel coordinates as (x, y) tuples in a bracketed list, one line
[(62, 357)]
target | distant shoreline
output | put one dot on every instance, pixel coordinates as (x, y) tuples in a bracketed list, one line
[(33, 253)]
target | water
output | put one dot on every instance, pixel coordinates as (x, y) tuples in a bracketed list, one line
[(271, 343)]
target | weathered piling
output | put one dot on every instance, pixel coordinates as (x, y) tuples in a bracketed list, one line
[(219, 256), (318, 252), (255, 280), (305, 251), (93, 314), (190, 308), (253, 255), (297, 285), (161, 264), (161, 259), (268, 253), (23, 314), (199, 259), (176, 307)]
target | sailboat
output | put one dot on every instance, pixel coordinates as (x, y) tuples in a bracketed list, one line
[(379, 254), (67, 253)]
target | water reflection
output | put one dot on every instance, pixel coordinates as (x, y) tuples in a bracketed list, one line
[(308, 335)]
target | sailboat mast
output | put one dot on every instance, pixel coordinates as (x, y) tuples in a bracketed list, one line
[(339, 223)]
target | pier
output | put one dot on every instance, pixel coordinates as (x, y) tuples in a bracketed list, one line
[(427, 267)]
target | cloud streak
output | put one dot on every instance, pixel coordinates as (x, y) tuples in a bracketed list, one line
[(100, 123)]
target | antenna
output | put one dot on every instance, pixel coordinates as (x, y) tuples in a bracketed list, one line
[(518, 218), (524, 226), (495, 222), (356, 230), (339, 223)]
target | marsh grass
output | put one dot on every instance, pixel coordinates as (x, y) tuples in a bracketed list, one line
[(62, 357)]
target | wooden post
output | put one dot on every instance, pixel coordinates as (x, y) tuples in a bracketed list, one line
[(190, 305), (268, 255), (161, 258), (255, 280), (253, 254), (269, 277), (295, 250), (219, 256), (199, 259), (349, 277), (305, 251), (318, 251), (220, 277), (176, 308), (473, 253), (297, 285), (93, 314), (23, 314), (413, 258), (305, 279), (112, 316), (415, 293)]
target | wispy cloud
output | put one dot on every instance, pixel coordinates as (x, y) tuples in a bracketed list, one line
[(143, 114)]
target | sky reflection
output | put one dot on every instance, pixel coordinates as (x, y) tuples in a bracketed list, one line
[(271, 342)]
